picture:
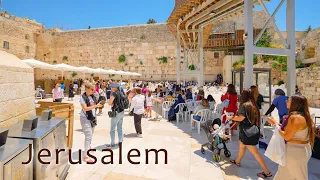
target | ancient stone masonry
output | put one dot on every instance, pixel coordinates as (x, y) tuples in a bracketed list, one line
[(141, 47), (18, 36)]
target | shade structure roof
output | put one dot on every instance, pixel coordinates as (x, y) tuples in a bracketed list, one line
[(88, 70), (66, 67), (38, 64), (190, 15)]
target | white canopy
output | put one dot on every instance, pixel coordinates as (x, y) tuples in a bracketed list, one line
[(38, 64), (111, 71), (102, 71), (66, 67)]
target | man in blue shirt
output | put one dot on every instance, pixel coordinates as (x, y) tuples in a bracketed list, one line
[(280, 102)]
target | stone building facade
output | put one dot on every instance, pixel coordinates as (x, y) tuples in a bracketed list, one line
[(18, 36)]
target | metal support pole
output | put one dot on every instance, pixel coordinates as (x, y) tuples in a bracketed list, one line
[(184, 63), (201, 73), (178, 58), (291, 61), (248, 22)]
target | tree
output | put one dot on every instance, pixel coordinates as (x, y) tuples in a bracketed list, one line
[(151, 21), (309, 29), (89, 27)]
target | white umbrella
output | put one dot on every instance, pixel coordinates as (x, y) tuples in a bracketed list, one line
[(38, 64), (65, 67)]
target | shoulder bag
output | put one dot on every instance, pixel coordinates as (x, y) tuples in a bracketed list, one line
[(249, 129), (226, 102)]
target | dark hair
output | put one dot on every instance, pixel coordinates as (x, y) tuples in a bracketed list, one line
[(250, 107), (231, 89), (300, 105), (170, 93), (210, 98), (138, 91), (279, 92)]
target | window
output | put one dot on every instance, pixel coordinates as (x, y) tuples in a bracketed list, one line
[(26, 36), (216, 55), (27, 49), (6, 44)]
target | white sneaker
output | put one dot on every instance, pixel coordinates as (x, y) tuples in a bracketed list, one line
[(139, 135), (193, 128)]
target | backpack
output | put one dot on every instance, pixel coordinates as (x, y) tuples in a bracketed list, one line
[(122, 103)]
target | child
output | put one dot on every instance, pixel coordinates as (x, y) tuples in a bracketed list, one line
[(149, 102)]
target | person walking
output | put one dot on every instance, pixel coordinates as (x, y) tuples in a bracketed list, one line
[(63, 87), (232, 95), (117, 120), (57, 93), (88, 117), (75, 86), (138, 110), (299, 134), (149, 103), (102, 100), (108, 92), (249, 131), (280, 102), (71, 92)]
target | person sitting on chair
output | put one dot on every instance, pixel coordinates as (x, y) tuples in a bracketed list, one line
[(203, 105)]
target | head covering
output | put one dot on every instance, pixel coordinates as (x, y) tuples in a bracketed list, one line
[(114, 85), (279, 92), (180, 99)]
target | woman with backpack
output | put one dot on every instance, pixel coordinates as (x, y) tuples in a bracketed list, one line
[(88, 116)]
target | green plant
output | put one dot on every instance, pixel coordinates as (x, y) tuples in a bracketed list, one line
[(141, 63), (65, 58), (122, 58), (111, 75), (192, 67), (299, 64), (143, 37), (54, 62), (309, 29), (280, 83), (131, 54), (163, 60), (151, 21), (92, 75), (312, 66), (74, 74)]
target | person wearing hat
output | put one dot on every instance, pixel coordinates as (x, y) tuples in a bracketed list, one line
[(279, 102), (116, 121)]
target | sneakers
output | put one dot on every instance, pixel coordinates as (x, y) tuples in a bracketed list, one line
[(110, 145), (139, 135)]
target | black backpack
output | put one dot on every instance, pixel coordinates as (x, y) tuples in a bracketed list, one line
[(122, 102)]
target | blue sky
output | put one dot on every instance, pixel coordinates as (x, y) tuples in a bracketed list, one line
[(79, 14)]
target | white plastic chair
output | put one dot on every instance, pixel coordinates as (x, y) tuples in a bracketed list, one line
[(204, 114), (165, 108), (189, 100), (38, 94), (181, 107)]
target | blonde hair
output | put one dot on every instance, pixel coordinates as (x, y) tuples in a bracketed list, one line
[(89, 86)]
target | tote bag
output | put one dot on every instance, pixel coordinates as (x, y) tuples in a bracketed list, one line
[(276, 150)]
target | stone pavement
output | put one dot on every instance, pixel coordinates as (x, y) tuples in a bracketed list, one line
[(185, 161)]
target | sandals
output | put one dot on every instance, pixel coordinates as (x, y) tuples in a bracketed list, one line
[(264, 175), (235, 163)]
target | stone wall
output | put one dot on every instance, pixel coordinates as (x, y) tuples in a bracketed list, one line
[(17, 90), (142, 45), (308, 81), (21, 34)]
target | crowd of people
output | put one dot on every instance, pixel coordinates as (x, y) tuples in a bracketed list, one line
[(296, 125)]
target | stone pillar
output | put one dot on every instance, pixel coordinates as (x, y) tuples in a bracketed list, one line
[(248, 24), (201, 68), (178, 58)]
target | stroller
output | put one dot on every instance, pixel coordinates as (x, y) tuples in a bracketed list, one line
[(217, 138)]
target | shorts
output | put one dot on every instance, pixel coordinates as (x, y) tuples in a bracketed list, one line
[(197, 118), (149, 107)]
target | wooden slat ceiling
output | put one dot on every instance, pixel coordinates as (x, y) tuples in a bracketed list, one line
[(183, 7)]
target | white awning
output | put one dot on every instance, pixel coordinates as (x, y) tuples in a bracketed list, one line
[(66, 67), (38, 64)]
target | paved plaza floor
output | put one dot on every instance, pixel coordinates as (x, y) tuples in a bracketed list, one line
[(185, 161)]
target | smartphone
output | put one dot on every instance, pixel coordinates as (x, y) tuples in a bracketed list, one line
[(102, 102)]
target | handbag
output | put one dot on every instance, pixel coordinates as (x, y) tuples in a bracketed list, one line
[(91, 118), (250, 130), (112, 114), (226, 102)]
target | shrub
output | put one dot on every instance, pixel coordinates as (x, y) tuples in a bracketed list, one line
[(143, 37), (92, 75), (312, 66), (65, 58), (122, 58), (54, 62), (141, 63), (163, 60), (280, 83), (131, 54), (74, 74), (192, 67)]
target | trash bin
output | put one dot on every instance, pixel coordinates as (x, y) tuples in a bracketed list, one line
[(12, 153), (43, 138)]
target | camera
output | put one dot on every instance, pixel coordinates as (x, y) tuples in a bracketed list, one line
[(112, 114)]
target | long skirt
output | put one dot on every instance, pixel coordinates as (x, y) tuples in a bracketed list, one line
[(297, 157)]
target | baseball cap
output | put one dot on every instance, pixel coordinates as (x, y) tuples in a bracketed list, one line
[(114, 85)]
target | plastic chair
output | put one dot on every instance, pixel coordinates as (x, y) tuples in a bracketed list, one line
[(38, 94), (165, 108), (204, 114), (181, 108), (189, 100)]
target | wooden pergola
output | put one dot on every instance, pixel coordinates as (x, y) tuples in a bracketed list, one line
[(191, 22)]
